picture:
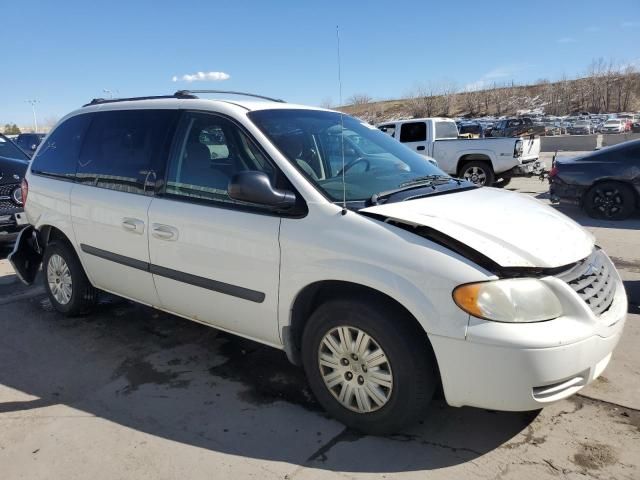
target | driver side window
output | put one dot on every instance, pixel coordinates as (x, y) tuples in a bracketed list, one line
[(210, 150)]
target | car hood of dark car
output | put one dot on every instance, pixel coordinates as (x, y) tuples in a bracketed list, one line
[(10, 168)]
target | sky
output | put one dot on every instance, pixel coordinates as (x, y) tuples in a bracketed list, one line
[(63, 53)]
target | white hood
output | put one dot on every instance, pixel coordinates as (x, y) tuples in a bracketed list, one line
[(512, 229)]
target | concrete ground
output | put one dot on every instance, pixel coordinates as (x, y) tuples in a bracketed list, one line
[(129, 392)]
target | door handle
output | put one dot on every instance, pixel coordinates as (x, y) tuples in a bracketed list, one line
[(421, 147), (164, 232), (133, 225)]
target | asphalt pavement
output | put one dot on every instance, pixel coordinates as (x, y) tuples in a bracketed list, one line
[(129, 392)]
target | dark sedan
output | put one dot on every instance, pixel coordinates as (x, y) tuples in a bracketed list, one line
[(13, 165), (606, 183)]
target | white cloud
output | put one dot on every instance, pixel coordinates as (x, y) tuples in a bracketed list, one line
[(502, 73), (630, 24), (566, 40), (202, 76)]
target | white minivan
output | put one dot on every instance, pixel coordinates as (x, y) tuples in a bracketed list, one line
[(312, 232)]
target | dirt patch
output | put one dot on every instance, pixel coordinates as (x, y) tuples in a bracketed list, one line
[(594, 456)]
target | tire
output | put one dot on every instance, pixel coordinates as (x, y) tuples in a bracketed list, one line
[(502, 182), (480, 171), (66, 283), (610, 201), (409, 370)]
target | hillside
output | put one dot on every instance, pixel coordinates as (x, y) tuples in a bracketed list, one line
[(611, 91)]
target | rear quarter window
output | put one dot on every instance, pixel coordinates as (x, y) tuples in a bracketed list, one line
[(58, 157), (446, 130)]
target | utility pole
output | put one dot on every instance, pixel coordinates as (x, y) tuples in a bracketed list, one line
[(33, 102)]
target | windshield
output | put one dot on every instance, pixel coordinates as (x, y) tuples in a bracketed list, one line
[(312, 141), (9, 150)]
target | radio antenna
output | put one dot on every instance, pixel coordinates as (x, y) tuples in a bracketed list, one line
[(344, 187)]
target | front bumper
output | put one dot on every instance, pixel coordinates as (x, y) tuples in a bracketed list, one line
[(517, 367), (561, 192), (525, 169), (10, 226)]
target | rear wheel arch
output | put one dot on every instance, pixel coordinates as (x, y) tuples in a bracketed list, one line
[(473, 157), (601, 181)]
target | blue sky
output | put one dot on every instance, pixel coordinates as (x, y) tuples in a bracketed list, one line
[(65, 52)]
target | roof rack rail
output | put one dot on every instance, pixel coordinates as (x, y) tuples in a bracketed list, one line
[(191, 94), (98, 101), (178, 94)]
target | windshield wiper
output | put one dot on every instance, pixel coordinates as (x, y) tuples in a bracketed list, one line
[(429, 178), (426, 181)]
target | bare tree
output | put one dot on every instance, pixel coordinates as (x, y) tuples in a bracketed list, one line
[(448, 94), (359, 99), (470, 102), (424, 102)]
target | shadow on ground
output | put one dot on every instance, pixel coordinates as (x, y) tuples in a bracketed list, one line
[(578, 215), (186, 382), (633, 294)]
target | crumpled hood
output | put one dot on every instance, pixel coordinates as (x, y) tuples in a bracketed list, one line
[(512, 229)]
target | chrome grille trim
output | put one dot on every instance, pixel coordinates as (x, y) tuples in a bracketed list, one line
[(593, 280)]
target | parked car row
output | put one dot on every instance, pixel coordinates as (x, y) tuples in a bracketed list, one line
[(581, 124)]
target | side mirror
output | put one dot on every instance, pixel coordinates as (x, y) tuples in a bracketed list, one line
[(255, 187)]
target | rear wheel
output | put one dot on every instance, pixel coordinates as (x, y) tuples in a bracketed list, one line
[(478, 172), (367, 366), (610, 201), (66, 283), (502, 182)]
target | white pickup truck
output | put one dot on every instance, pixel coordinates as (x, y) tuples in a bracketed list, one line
[(484, 161)]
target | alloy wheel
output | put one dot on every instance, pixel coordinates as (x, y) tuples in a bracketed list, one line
[(608, 201), (475, 175)]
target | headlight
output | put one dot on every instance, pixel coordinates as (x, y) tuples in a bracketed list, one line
[(514, 300)]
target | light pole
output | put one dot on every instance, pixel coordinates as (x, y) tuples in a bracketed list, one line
[(109, 92), (33, 102)]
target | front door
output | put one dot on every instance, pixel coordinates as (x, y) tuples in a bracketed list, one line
[(213, 259)]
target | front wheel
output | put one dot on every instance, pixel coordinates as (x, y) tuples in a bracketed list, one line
[(66, 284), (478, 172), (367, 366), (610, 201)]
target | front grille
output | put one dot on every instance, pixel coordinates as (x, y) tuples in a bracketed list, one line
[(594, 280), (7, 205)]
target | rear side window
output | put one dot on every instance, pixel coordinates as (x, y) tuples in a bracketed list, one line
[(446, 130), (125, 150), (58, 156), (413, 132)]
